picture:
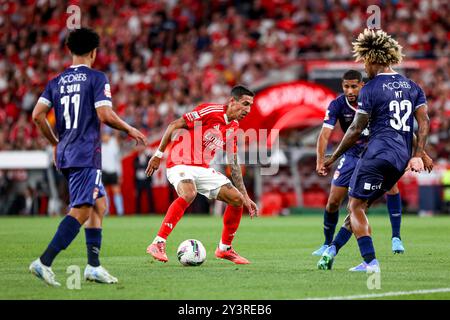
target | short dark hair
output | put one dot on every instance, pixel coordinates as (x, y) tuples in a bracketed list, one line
[(352, 75), (238, 91), (82, 41)]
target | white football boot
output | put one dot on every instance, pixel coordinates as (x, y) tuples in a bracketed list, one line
[(43, 272), (98, 274)]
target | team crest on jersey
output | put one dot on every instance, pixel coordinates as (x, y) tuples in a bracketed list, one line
[(336, 174), (95, 194), (107, 91), (217, 126)]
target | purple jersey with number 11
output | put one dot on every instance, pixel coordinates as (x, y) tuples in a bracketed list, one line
[(74, 95), (390, 100)]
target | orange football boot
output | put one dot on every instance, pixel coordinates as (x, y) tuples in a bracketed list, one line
[(231, 255), (158, 251)]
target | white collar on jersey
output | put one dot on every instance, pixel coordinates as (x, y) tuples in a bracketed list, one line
[(386, 73), (226, 118), (350, 106), (79, 65)]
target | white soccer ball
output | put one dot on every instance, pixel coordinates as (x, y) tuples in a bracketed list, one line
[(191, 252)]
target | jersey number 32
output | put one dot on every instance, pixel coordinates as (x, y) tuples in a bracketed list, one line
[(399, 122)]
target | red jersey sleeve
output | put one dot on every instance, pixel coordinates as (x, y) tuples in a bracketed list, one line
[(202, 113)]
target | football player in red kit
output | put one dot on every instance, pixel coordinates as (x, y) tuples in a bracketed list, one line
[(208, 127)]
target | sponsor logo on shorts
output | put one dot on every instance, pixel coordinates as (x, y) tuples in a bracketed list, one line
[(217, 126), (368, 186), (182, 174), (95, 194), (336, 174)]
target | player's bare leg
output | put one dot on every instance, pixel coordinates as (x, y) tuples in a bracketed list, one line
[(362, 230), (67, 231), (118, 199), (331, 216), (186, 195), (231, 219), (93, 230), (394, 205)]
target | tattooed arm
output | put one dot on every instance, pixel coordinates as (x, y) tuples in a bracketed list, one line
[(416, 162), (236, 176), (238, 181), (351, 136)]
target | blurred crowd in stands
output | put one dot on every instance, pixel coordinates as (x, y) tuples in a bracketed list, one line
[(164, 56)]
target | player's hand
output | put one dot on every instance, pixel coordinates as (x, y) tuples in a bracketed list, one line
[(251, 207), (329, 160), (138, 136), (153, 165), (427, 162), (415, 164), (54, 159), (320, 169)]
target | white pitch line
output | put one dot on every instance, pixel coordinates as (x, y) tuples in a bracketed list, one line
[(385, 294)]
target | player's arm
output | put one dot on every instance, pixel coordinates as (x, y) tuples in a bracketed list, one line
[(427, 161), (416, 163), (352, 135), (238, 181), (322, 143), (40, 119), (107, 115), (154, 162)]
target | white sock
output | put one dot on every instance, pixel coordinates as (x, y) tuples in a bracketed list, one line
[(223, 247), (158, 239)]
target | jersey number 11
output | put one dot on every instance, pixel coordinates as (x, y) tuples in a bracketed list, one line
[(76, 107)]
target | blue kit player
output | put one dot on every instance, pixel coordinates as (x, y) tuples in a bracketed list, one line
[(81, 99), (389, 102), (343, 110)]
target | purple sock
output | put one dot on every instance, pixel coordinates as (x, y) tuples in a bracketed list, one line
[(341, 238), (330, 220), (67, 231), (366, 248)]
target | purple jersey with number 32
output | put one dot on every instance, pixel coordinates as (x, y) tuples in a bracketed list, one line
[(390, 100), (74, 95)]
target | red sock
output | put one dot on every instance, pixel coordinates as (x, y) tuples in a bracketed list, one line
[(173, 215), (231, 220)]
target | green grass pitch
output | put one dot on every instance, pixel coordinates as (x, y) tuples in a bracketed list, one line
[(279, 248)]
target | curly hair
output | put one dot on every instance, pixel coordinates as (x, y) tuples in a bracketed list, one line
[(377, 47)]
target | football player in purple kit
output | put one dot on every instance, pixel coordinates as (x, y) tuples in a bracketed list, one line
[(81, 99), (343, 110), (389, 102)]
